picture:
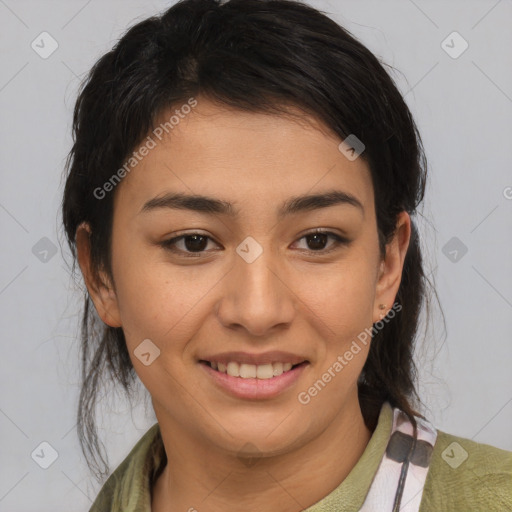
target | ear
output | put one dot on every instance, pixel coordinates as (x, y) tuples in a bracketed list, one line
[(390, 272), (100, 289)]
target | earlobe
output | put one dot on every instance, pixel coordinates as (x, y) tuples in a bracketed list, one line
[(100, 289), (391, 267)]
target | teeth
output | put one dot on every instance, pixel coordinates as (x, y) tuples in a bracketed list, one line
[(277, 369), (248, 371), (251, 371), (233, 369), (264, 371)]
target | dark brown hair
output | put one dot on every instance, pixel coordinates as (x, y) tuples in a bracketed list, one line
[(256, 56)]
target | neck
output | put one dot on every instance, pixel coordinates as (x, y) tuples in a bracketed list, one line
[(198, 475)]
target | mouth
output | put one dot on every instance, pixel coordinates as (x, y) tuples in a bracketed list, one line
[(253, 382), (252, 371)]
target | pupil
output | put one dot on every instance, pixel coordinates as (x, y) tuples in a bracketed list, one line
[(196, 245), (315, 236)]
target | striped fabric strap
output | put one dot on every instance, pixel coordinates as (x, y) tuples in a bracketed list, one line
[(400, 478)]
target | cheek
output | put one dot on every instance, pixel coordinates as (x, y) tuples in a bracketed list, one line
[(344, 295), (145, 303), (158, 300), (341, 317)]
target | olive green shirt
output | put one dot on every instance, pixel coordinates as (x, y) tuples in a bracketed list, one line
[(464, 476)]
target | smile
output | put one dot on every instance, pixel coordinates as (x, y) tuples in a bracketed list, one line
[(249, 385), (251, 371)]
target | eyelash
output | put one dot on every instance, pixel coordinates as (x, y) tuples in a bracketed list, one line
[(339, 241)]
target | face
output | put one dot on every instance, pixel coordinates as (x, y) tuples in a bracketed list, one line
[(244, 277)]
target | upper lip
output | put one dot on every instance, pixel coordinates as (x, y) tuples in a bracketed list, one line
[(275, 356)]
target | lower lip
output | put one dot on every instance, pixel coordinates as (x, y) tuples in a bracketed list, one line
[(255, 389)]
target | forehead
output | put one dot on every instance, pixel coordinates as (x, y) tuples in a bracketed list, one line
[(240, 156)]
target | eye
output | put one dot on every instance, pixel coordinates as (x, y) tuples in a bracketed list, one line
[(318, 238), (194, 244), (191, 243)]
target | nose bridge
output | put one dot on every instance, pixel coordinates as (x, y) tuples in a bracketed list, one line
[(256, 298), (257, 279)]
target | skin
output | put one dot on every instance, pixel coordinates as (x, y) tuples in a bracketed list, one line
[(291, 298)]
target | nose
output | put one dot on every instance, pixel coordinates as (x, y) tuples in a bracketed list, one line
[(257, 296)]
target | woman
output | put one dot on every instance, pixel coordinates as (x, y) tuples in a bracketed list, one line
[(240, 200)]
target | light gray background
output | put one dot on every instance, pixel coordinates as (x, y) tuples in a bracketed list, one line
[(463, 107)]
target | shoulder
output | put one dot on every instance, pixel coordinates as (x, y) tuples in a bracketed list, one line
[(128, 488), (466, 475)]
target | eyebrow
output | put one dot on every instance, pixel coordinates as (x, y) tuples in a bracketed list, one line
[(214, 206)]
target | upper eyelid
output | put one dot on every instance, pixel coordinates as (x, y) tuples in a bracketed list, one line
[(314, 232)]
